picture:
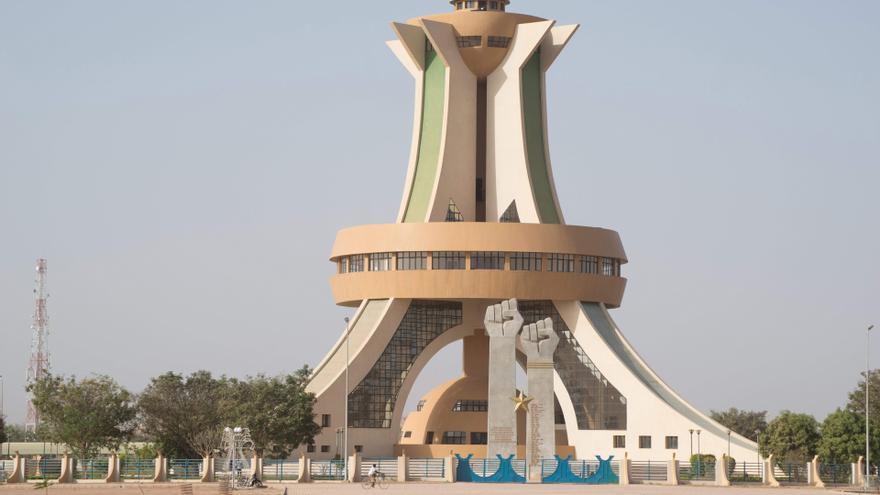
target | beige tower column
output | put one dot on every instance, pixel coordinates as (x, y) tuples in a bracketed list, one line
[(503, 323), (538, 342)]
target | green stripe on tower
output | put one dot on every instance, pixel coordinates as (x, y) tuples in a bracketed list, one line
[(430, 138), (533, 115)]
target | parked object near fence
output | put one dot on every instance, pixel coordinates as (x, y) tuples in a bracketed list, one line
[(568, 471)]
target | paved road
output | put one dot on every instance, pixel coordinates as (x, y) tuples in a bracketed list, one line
[(414, 488)]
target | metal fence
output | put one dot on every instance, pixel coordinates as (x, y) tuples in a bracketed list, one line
[(648, 470), (488, 467), (385, 465), (137, 469), (745, 472), (698, 471), (90, 469), (6, 468), (280, 470), (582, 468), (424, 469), (45, 468), (327, 470), (791, 473), (185, 469), (836, 474)]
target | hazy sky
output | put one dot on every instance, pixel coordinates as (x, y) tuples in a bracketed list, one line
[(184, 167)]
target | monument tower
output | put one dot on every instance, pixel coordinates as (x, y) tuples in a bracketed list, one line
[(480, 223)]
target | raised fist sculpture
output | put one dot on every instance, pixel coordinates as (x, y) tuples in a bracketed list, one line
[(503, 320), (538, 340)]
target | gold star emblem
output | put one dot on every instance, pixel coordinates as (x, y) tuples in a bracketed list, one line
[(521, 401)]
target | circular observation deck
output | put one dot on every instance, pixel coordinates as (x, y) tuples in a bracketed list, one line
[(475, 260)]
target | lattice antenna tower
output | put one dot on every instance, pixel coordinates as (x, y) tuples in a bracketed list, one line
[(38, 366)]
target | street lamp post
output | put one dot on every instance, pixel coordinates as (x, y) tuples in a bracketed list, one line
[(345, 426), (691, 431), (728, 443), (867, 411), (699, 454)]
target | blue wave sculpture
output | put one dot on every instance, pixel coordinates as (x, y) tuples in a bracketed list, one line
[(563, 474), (504, 474)]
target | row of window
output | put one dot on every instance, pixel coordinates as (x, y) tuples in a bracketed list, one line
[(326, 448), (483, 260), (480, 5), (455, 437), (644, 442), (475, 41), (470, 406)]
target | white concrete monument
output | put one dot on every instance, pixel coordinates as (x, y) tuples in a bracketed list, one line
[(538, 342), (503, 323)]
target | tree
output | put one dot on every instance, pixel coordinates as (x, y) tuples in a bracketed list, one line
[(791, 437), (86, 415), (185, 416), (17, 433), (278, 412), (843, 438), (856, 401), (746, 423), (3, 436)]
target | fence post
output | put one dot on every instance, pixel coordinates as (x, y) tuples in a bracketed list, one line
[(18, 470), (814, 478), (207, 474), (303, 470), (112, 469), (624, 469), (401, 467), (66, 475), (672, 471), (858, 472), (257, 464), (721, 472), (769, 475), (448, 471), (354, 468), (160, 474)]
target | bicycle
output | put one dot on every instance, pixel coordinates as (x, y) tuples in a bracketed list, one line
[(377, 480)]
